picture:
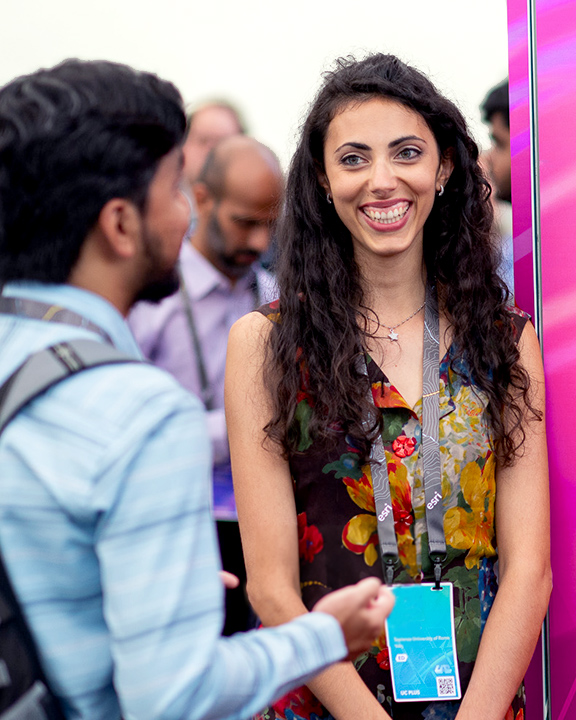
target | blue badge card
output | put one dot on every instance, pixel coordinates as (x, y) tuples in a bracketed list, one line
[(422, 644)]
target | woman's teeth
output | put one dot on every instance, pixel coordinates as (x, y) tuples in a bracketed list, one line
[(386, 217)]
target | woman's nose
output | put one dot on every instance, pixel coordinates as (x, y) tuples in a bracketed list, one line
[(383, 177)]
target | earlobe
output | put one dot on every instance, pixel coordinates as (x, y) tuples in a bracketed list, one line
[(120, 223)]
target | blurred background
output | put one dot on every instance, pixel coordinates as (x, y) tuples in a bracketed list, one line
[(264, 56)]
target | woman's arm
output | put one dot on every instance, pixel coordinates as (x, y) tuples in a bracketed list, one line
[(525, 579), (267, 513)]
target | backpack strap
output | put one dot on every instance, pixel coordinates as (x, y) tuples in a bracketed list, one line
[(46, 368), (24, 307)]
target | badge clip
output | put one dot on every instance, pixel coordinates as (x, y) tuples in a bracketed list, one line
[(389, 561), (437, 559)]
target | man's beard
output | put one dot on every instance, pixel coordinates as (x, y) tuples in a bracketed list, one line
[(161, 281), (157, 290), (227, 262)]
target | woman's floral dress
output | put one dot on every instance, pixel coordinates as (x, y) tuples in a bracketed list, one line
[(338, 537)]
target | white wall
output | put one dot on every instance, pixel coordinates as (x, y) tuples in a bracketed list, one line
[(264, 55)]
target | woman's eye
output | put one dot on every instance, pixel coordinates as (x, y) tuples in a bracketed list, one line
[(409, 153), (351, 160)]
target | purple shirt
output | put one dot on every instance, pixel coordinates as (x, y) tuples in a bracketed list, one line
[(163, 332)]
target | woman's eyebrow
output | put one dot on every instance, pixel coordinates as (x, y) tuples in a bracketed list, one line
[(354, 145), (400, 140)]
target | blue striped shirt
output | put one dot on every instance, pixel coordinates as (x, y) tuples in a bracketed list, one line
[(106, 532)]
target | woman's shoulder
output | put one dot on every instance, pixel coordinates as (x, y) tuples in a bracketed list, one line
[(251, 330)]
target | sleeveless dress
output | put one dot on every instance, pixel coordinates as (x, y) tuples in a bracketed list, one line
[(337, 526)]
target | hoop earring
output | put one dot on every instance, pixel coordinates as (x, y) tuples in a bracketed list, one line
[(441, 191), (329, 198)]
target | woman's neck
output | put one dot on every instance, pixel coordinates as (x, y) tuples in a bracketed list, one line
[(394, 287)]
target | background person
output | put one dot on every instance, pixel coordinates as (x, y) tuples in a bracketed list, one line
[(496, 113), (385, 198), (495, 110), (237, 196), (207, 125), (105, 523)]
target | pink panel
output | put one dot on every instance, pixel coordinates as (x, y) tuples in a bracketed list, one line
[(556, 22), (556, 37), (522, 226)]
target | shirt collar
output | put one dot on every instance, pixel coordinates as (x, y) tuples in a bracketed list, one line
[(202, 277), (92, 306)]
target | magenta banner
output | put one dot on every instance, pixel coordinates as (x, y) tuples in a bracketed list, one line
[(555, 32), (520, 148), (556, 28)]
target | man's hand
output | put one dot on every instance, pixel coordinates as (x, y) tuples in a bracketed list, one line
[(361, 610), (229, 581)]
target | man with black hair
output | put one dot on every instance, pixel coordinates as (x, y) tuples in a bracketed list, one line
[(496, 113), (105, 524)]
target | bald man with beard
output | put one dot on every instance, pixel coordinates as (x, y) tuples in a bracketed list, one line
[(237, 196)]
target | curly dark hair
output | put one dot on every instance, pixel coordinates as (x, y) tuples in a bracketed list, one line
[(320, 291)]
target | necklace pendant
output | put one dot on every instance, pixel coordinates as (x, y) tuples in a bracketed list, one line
[(392, 336)]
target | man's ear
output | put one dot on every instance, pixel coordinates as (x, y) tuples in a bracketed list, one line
[(120, 224), (203, 198)]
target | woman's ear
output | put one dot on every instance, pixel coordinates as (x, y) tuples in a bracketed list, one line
[(445, 169), (323, 180), (321, 175)]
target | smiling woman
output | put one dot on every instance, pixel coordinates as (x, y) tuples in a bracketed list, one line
[(391, 313)]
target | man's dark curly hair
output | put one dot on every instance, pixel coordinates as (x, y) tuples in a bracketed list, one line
[(73, 137), (320, 289)]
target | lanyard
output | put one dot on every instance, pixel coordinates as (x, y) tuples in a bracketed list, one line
[(24, 307), (430, 456), (206, 392)]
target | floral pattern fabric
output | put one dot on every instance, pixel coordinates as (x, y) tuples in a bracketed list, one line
[(338, 536)]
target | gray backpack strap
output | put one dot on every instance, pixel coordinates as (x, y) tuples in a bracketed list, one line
[(46, 368)]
